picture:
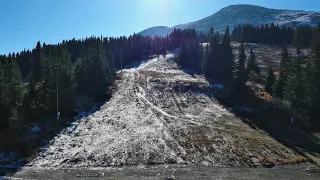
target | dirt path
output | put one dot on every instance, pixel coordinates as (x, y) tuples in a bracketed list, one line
[(305, 172)]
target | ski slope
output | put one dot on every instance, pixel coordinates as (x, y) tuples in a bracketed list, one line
[(160, 114)]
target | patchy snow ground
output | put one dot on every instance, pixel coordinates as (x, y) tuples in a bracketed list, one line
[(160, 114)]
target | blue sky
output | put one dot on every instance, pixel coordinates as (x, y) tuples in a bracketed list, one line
[(24, 22)]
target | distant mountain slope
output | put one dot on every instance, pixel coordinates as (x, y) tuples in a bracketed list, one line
[(242, 14), (156, 31)]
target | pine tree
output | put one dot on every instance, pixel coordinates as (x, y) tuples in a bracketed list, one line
[(32, 100), (66, 84), (190, 55), (205, 59), (280, 85), (228, 62), (17, 88), (252, 65), (211, 35), (45, 88), (182, 55), (11, 90), (214, 60), (270, 81), (241, 73), (4, 96), (313, 85), (36, 70), (295, 87), (101, 71), (93, 73)]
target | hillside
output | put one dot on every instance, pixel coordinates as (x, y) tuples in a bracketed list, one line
[(242, 14), (161, 114), (165, 121), (267, 55), (158, 30)]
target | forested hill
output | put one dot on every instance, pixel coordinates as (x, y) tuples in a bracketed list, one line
[(86, 68), (242, 14), (83, 67)]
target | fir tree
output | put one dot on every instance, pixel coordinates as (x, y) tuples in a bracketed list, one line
[(11, 90), (295, 86), (252, 65), (17, 88), (281, 82), (270, 81), (36, 70), (241, 73), (4, 95), (227, 64), (313, 86), (214, 60), (205, 58)]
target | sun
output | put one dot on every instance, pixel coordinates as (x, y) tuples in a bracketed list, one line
[(157, 10)]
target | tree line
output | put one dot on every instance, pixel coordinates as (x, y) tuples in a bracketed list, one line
[(271, 34), (29, 80), (298, 79), (86, 67), (215, 59)]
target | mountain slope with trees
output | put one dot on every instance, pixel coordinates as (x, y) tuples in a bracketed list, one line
[(78, 68), (242, 14), (87, 68)]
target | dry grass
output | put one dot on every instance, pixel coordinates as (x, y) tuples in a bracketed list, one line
[(268, 152), (292, 160), (267, 55), (264, 95)]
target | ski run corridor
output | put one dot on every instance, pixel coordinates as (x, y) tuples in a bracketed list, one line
[(160, 114)]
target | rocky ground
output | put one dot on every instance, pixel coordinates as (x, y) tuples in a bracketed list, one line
[(298, 172)]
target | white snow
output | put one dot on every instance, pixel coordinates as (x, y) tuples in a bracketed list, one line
[(289, 17)]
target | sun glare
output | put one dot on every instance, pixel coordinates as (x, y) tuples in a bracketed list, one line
[(155, 4), (160, 3)]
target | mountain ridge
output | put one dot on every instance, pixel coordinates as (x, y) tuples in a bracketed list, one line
[(234, 15)]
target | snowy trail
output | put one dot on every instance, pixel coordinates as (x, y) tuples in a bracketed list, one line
[(142, 97), (154, 117)]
